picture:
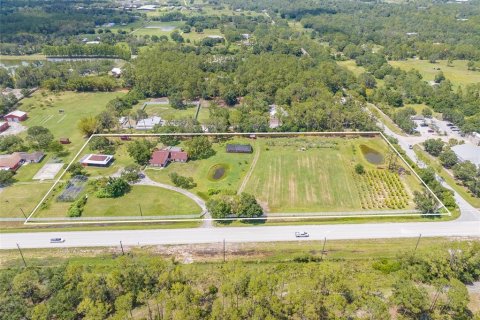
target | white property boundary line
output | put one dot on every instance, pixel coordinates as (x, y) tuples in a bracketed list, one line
[(240, 219), (256, 134)]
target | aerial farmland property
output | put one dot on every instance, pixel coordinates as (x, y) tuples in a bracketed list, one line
[(287, 174)]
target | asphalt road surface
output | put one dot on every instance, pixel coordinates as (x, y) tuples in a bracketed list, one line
[(240, 234)]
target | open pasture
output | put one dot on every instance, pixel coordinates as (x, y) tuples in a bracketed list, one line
[(60, 112), (314, 174), (457, 73)]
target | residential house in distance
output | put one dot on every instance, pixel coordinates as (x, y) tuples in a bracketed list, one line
[(239, 148), (10, 162), (34, 157), (148, 123), (161, 158), (96, 160), (275, 115), (4, 126), (16, 116)]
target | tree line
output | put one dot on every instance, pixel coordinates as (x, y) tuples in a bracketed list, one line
[(430, 285)]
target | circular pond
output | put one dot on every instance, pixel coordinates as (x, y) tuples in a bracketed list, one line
[(218, 172), (372, 155)]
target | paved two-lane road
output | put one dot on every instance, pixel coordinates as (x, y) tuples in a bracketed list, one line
[(240, 234)]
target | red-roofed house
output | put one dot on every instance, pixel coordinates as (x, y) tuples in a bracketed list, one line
[(161, 158), (16, 116), (11, 162)]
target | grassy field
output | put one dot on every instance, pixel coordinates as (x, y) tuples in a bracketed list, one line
[(457, 73), (237, 166), (352, 66), (302, 175), (21, 195), (154, 201), (357, 70), (317, 174), (166, 112), (259, 253), (31, 57), (157, 28), (43, 110)]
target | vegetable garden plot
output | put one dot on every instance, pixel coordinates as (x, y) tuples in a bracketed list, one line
[(73, 188)]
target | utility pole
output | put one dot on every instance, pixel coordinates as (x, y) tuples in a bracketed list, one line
[(224, 259), (121, 246), (22, 255), (323, 249), (416, 246)]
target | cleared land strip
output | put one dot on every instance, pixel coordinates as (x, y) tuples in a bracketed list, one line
[(250, 171)]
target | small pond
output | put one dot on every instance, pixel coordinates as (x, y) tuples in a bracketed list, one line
[(217, 172), (372, 155)]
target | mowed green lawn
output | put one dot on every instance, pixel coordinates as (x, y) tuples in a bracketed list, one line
[(237, 167), (154, 201), (294, 177), (44, 107), (24, 196), (286, 179), (457, 73)]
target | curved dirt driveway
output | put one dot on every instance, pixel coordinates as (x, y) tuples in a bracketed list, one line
[(205, 214)]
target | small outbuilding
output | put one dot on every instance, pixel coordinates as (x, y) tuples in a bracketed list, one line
[(4, 126), (96, 160), (239, 148), (64, 140), (16, 116), (148, 123)]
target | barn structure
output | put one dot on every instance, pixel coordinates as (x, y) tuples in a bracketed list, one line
[(239, 148), (16, 116)]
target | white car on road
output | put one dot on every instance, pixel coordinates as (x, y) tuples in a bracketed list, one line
[(302, 234)]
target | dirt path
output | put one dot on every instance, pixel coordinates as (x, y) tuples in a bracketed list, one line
[(207, 223), (250, 171)]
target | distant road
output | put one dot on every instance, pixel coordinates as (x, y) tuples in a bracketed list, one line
[(241, 234)]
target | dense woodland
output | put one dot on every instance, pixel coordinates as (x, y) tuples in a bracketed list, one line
[(422, 286), (28, 25)]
